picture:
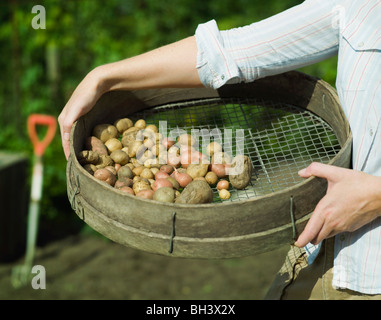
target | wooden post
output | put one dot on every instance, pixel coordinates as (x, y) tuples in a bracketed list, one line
[(13, 205)]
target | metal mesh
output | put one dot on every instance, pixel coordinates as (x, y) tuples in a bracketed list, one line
[(280, 139)]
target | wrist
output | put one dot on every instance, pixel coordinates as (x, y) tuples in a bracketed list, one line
[(98, 80)]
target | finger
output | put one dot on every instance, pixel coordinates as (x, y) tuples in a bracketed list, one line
[(311, 230), (65, 128), (320, 170), (66, 144)]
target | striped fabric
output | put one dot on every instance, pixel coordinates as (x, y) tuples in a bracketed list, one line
[(303, 35)]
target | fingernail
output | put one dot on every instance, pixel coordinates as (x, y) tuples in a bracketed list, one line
[(302, 172), (66, 136)]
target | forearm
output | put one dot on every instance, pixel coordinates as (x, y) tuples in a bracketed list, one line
[(173, 65), (297, 37)]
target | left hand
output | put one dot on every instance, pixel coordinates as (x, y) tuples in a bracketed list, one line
[(353, 199)]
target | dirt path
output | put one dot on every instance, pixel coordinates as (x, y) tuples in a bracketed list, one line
[(91, 267)]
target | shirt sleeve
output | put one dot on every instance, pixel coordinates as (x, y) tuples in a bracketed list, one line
[(299, 36)]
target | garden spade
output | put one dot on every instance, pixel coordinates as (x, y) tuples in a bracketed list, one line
[(21, 274)]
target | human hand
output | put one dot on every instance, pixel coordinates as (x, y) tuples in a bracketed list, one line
[(353, 199), (82, 101)]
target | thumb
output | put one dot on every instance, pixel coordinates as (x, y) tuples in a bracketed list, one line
[(321, 170)]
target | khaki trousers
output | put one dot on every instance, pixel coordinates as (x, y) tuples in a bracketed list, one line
[(297, 280)]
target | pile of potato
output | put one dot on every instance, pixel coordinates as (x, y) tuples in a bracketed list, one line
[(135, 158)]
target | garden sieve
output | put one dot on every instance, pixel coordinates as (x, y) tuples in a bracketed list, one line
[(283, 123)]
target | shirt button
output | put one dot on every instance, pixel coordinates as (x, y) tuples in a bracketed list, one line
[(371, 132), (342, 237), (223, 77)]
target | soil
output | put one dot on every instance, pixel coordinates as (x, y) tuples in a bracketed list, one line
[(89, 266)]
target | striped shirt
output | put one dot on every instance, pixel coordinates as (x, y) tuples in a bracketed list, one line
[(300, 36)]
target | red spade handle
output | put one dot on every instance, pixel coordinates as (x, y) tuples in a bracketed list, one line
[(44, 120)]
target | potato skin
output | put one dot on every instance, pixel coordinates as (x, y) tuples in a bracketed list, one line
[(88, 157), (240, 172), (146, 194), (197, 170), (123, 124), (164, 194), (197, 191), (105, 132), (141, 185), (95, 144), (106, 176), (120, 157)]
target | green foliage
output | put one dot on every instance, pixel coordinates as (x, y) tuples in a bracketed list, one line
[(41, 68)]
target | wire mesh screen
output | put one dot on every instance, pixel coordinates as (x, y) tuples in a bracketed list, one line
[(280, 139)]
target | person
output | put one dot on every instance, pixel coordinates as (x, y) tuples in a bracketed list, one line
[(338, 255)]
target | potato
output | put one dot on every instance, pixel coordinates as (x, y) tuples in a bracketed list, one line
[(161, 175), (197, 170), (133, 148), (167, 168), (164, 194), (113, 144), (147, 174), (135, 163), (105, 132), (213, 148), (173, 157), (174, 182), (196, 192), (95, 144), (123, 124), (141, 124), (223, 184), (146, 194), (211, 178), (128, 138), (125, 172), (120, 157), (117, 166), (182, 178), (168, 143), (161, 183), (127, 190), (153, 128), (148, 143), (158, 149), (104, 161), (240, 172), (219, 170), (88, 157), (221, 158), (152, 163), (130, 130), (138, 170), (126, 182), (105, 176), (111, 169), (141, 185), (186, 139), (154, 170), (224, 194)]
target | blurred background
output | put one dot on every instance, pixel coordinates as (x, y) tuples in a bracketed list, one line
[(40, 68)]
